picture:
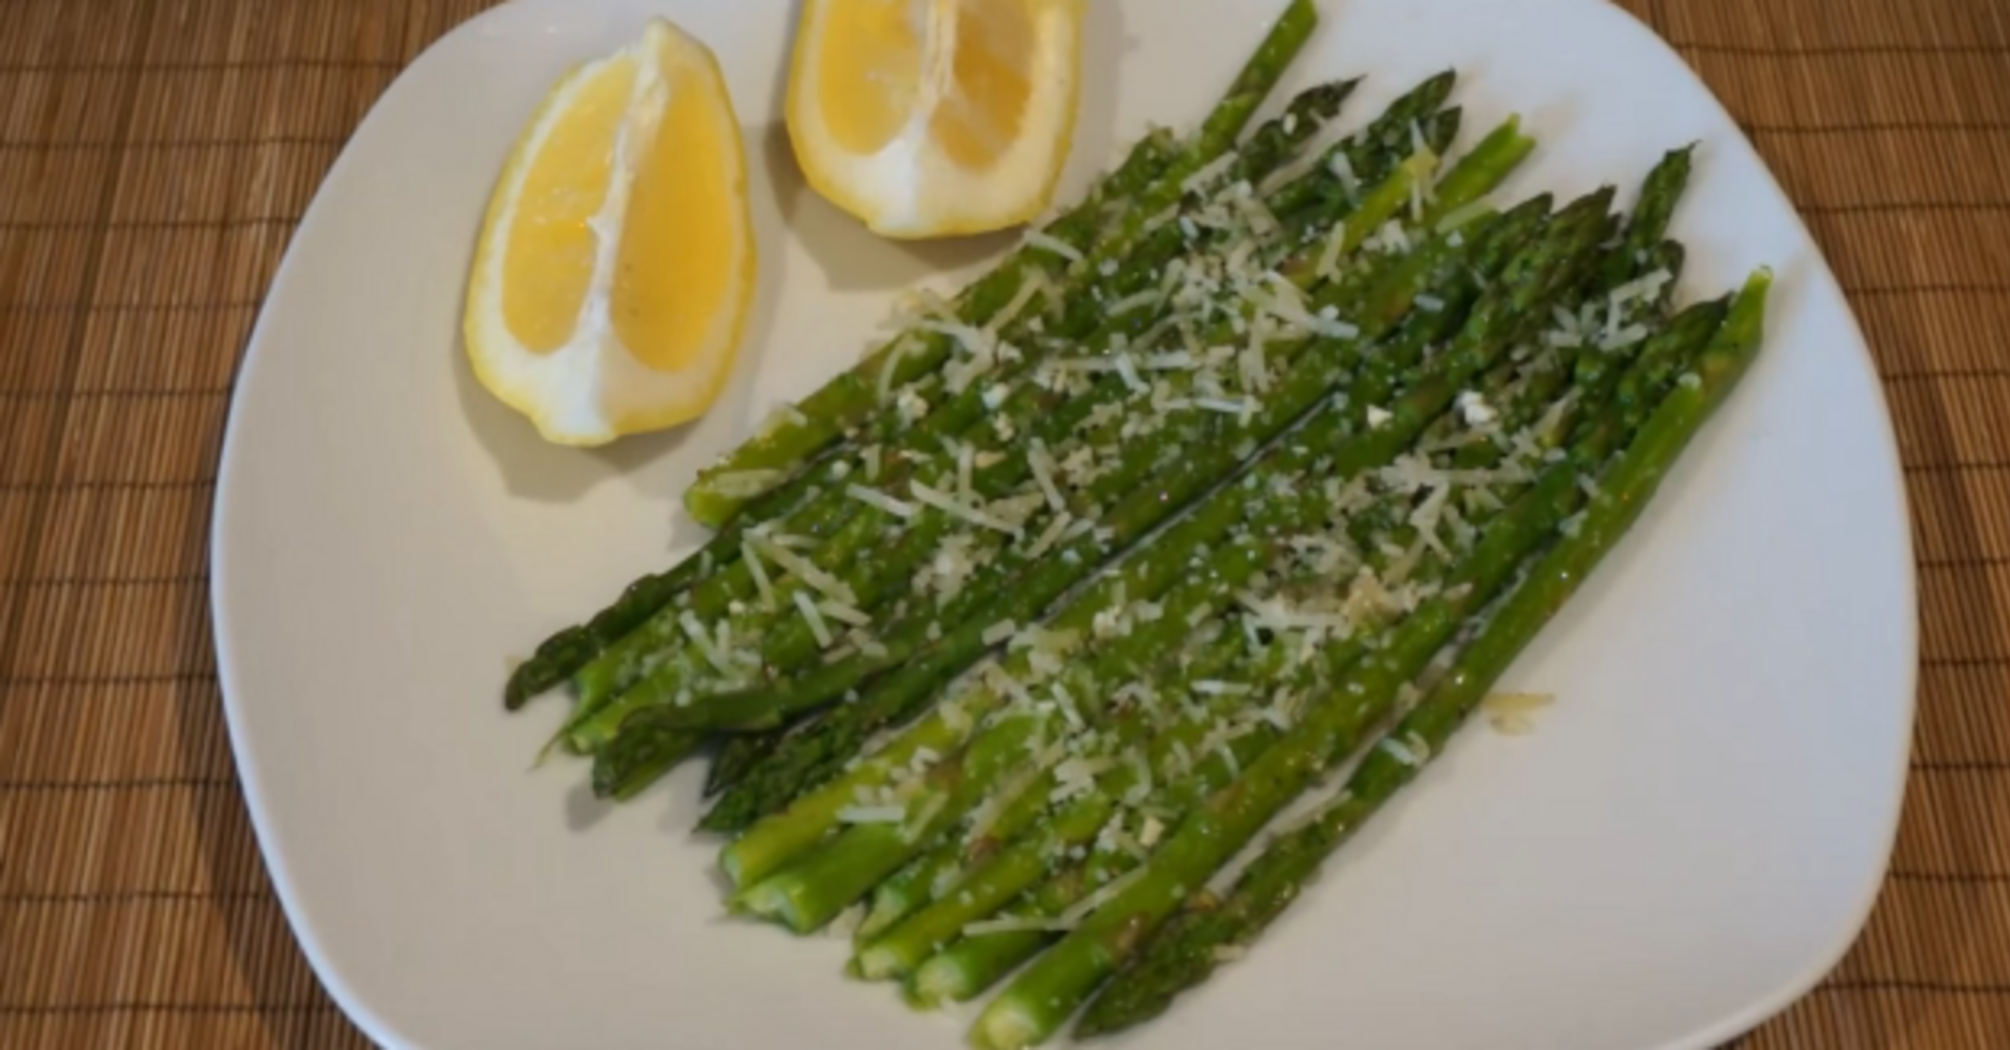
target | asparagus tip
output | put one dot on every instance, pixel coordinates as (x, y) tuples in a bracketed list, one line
[(721, 820), (1091, 1026)]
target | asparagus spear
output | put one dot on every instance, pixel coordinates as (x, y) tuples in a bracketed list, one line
[(1253, 548), (1491, 159), (782, 836), (763, 706), (566, 651), (1372, 156), (1025, 862), (846, 400), (773, 459), (807, 819), (850, 526), (814, 889), (1186, 952), (805, 896), (813, 754), (657, 658), (973, 964), (1052, 424), (1042, 998), (629, 765), (943, 870)]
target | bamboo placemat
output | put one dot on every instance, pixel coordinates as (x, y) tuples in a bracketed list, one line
[(156, 154)]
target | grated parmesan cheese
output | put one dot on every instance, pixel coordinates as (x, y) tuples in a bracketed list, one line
[(764, 586), (1473, 406), (1068, 709), (818, 629), (1056, 528), (1043, 466), (1049, 243), (894, 354), (1109, 891), (1127, 369), (1343, 170), (707, 646), (876, 498), (1400, 751), (1130, 303), (956, 509), (1027, 290), (1209, 174), (872, 814), (774, 548), (843, 613)]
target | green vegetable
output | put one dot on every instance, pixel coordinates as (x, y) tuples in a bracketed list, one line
[(655, 664), (1054, 985), (971, 965), (851, 397), (804, 897), (723, 497), (1187, 951), (806, 754), (924, 664)]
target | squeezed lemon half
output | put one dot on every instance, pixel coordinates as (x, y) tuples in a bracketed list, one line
[(612, 277)]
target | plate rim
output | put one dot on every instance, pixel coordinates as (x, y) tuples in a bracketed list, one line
[(1761, 1007)]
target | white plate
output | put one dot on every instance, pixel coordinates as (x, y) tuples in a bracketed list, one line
[(1693, 836)]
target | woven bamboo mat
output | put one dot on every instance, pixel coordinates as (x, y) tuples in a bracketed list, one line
[(155, 155)]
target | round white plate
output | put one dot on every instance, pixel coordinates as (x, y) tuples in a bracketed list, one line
[(1691, 838)]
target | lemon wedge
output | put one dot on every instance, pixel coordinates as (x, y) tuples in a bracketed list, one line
[(931, 118), (612, 277)]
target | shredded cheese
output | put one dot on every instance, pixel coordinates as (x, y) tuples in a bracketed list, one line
[(802, 568), (1049, 243), (956, 509), (815, 618), (764, 586), (1043, 466), (872, 814), (1088, 905), (882, 501)]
